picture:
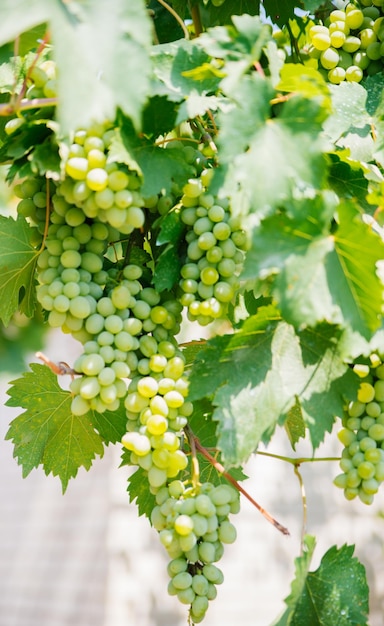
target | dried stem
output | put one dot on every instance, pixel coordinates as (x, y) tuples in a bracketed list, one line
[(305, 509), (234, 482), (61, 368)]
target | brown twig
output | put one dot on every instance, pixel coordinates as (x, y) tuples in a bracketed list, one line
[(234, 482), (61, 368)]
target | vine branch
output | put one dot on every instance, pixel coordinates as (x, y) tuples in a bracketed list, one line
[(176, 16), (234, 482)]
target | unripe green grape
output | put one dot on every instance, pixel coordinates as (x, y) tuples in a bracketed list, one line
[(79, 307), (366, 470), (353, 478), (366, 498), (177, 566), (366, 393), (213, 574), (354, 74), (89, 387), (77, 167), (351, 44), (321, 40), (341, 481), (329, 58), (354, 17), (227, 532), (79, 406)]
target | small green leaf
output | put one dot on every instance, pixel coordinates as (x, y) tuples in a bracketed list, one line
[(138, 488), (295, 424), (18, 261), (171, 228), (167, 270), (336, 593), (47, 433)]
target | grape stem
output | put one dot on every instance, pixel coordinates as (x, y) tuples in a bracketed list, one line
[(196, 18), (305, 508), (219, 468), (61, 368), (297, 462), (9, 108), (195, 463), (176, 16)]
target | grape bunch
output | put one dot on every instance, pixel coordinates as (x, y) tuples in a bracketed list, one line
[(362, 436), (95, 271), (209, 276), (193, 525), (99, 186), (351, 42)]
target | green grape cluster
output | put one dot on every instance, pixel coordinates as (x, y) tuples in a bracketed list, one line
[(99, 186), (95, 278), (351, 42), (209, 276), (362, 462), (193, 526)]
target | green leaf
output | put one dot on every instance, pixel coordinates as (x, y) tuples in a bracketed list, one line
[(280, 11), (352, 271), (285, 152), (138, 488), (296, 78), (98, 48), (18, 260), (167, 270), (320, 275), (241, 374), (172, 64), (204, 428), (171, 228), (336, 593), (47, 433), (17, 16), (346, 178), (212, 15), (111, 425), (295, 424), (349, 110)]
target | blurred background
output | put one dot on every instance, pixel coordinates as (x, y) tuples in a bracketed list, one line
[(87, 559)]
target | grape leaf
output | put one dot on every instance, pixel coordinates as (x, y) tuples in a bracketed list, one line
[(280, 11), (47, 433), (286, 152), (111, 425), (212, 15), (167, 269), (17, 267), (172, 64), (17, 17), (322, 276), (256, 377), (295, 424), (346, 178), (138, 488), (336, 593), (349, 109)]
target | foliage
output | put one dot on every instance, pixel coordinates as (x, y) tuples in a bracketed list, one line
[(201, 108)]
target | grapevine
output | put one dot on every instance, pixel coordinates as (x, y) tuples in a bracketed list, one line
[(234, 191)]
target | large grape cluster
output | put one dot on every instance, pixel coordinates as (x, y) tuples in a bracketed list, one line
[(362, 462), (95, 274), (193, 525), (214, 253), (351, 42)]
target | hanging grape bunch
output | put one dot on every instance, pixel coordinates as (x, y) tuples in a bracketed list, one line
[(350, 44), (362, 462)]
